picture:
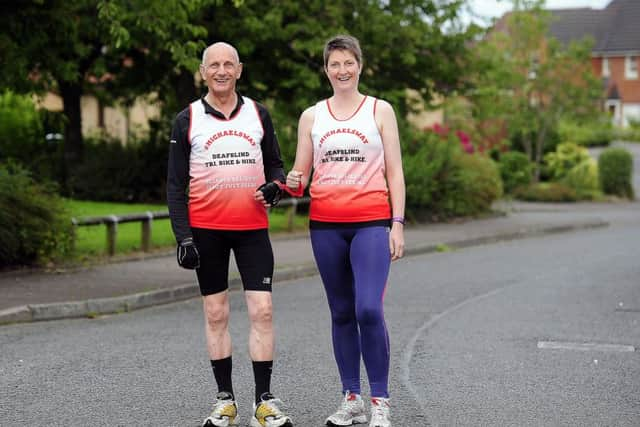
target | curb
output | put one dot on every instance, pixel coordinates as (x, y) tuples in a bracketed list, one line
[(504, 237), (122, 304)]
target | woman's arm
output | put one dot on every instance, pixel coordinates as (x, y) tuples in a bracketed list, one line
[(299, 175), (388, 126)]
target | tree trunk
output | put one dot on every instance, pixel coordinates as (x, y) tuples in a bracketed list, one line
[(542, 134), (526, 143), (73, 145), (71, 93)]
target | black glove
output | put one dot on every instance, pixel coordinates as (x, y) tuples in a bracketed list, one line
[(271, 192), (188, 256)]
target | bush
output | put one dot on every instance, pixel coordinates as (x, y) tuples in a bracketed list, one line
[(583, 179), (551, 141), (631, 133), (22, 137), (23, 131), (566, 156), (594, 133), (443, 181), (135, 172), (515, 170), (615, 166), (34, 227), (546, 192), (473, 186), (428, 165)]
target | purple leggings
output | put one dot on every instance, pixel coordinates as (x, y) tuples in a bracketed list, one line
[(354, 266)]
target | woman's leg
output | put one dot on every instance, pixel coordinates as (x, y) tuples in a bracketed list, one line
[(370, 261), (331, 251)]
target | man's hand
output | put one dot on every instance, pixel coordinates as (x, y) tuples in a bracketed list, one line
[(270, 193), (188, 256)]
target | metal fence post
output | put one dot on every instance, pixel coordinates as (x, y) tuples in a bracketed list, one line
[(111, 222), (146, 232), (74, 234), (112, 234)]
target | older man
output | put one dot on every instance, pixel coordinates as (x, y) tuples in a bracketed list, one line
[(223, 160)]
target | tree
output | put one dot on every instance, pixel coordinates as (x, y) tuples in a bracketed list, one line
[(405, 45), (530, 80), (68, 46), (119, 49), (51, 45), (280, 45)]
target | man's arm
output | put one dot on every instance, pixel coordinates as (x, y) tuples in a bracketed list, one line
[(178, 177), (272, 160)]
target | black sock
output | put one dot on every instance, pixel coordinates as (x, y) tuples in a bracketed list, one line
[(262, 375), (222, 373)]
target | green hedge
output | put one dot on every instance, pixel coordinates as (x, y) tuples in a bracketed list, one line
[(552, 139), (443, 181), (22, 136), (111, 171), (566, 156), (428, 166), (631, 133), (583, 179), (34, 226), (515, 170), (475, 183), (615, 167), (546, 192), (597, 132)]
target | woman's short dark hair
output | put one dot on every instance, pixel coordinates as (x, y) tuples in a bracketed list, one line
[(343, 42)]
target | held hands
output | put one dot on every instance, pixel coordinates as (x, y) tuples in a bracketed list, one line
[(187, 254), (268, 194), (294, 179)]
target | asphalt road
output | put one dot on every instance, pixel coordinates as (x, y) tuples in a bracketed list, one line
[(470, 335)]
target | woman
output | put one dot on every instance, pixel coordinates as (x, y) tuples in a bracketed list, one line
[(356, 222)]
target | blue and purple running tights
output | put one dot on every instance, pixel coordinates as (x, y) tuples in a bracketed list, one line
[(354, 266)]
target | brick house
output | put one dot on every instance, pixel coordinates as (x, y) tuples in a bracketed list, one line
[(616, 51)]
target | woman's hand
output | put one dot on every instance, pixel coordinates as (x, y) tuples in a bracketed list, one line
[(396, 241), (294, 180)]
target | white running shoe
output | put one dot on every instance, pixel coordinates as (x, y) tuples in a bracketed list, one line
[(380, 412), (267, 413), (350, 412), (224, 411)]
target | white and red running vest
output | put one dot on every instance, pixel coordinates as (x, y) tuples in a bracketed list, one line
[(348, 182), (226, 168)]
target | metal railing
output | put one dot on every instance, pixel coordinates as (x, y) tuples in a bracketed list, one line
[(146, 219)]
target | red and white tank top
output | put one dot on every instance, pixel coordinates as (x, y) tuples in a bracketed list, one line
[(348, 182), (226, 168)]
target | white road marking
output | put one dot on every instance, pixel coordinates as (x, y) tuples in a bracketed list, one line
[(586, 346), (410, 348)]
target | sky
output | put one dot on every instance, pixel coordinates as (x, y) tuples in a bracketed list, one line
[(496, 8)]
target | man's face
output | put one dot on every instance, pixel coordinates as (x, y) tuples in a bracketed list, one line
[(220, 70)]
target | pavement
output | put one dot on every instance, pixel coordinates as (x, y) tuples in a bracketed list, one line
[(132, 284)]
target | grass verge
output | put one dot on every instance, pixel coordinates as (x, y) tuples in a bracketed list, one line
[(91, 241)]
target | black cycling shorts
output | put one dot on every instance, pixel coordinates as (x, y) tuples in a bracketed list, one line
[(251, 249)]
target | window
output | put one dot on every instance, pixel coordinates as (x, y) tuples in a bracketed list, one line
[(631, 67), (605, 67)]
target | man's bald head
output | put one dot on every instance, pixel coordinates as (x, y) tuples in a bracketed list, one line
[(220, 45)]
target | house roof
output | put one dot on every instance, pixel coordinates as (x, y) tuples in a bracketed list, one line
[(615, 29)]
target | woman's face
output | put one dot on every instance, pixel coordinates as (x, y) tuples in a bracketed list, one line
[(343, 70)]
